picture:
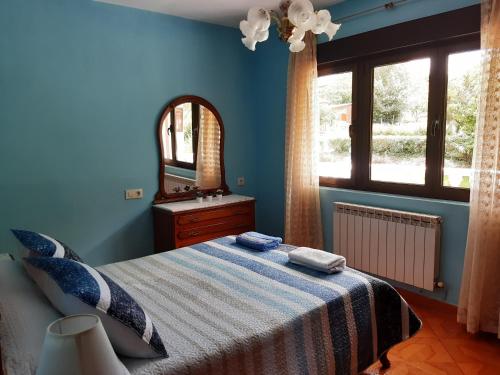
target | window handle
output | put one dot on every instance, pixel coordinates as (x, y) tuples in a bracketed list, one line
[(351, 131), (435, 127)]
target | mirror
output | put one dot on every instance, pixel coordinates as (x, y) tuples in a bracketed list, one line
[(191, 140)]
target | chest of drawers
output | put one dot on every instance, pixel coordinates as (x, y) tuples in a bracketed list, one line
[(185, 223)]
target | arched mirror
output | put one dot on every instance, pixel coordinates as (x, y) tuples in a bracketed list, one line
[(191, 140)]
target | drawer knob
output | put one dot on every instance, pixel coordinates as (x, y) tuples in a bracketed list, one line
[(194, 219), (194, 234)]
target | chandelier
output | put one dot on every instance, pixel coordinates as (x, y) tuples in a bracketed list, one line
[(293, 20)]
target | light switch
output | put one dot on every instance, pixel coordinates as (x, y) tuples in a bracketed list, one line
[(241, 181), (134, 194)]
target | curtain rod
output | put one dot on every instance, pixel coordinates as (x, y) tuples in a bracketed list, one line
[(387, 6)]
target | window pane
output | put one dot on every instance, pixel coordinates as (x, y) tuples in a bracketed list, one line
[(184, 133), (335, 104), (400, 97), (464, 79)]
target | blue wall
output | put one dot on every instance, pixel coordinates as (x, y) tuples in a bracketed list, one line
[(182, 172), (270, 62), (82, 86)]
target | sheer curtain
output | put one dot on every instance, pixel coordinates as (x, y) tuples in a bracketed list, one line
[(302, 206), (208, 157), (479, 305)]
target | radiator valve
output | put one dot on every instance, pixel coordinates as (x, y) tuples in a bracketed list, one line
[(439, 284)]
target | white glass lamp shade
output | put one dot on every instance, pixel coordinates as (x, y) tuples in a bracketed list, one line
[(255, 28), (297, 46), (78, 345), (247, 29), (331, 30), (323, 19), (261, 36), (259, 18), (298, 34), (301, 14), (249, 43)]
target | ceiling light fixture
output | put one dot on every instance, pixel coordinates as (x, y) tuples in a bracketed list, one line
[(293, 20)]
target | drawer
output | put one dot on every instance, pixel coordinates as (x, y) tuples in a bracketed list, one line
[(222, 225), (217, 213), (211, 236)]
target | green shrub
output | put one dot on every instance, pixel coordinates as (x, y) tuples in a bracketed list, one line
[(459, 148), (399, 147), (340, 145)]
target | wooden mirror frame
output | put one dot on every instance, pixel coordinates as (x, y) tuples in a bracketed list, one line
[(162, 196)]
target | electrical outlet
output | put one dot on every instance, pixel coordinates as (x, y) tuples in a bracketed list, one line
[(134, 194), (241, 181)]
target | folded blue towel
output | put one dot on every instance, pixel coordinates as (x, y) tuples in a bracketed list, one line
[(258, 241)]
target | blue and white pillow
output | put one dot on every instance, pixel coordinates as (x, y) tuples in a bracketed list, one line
[(76, 288), (39, 244)]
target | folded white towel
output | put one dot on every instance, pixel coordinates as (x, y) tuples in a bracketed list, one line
[(317, 259), (329, 270)]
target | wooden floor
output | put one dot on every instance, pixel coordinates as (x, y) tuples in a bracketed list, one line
[(442, 346)]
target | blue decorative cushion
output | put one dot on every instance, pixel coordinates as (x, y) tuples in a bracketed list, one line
[(76, 288), (43, 245)]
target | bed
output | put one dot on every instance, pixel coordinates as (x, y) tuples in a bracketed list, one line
[(223, 309)]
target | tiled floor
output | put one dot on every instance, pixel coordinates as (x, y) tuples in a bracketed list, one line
[(442, 346)]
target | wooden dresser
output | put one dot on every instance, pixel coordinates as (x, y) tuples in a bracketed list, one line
[(185, 223)]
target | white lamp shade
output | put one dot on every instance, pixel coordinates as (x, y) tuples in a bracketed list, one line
[(259, 18), (331, 30), (301, 13), (323, 19), (298, 34), (297, 46), (78, 345), (247, 29), (249, 43), (262, 36)]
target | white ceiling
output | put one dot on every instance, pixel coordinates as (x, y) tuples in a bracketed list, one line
[(221, 12)]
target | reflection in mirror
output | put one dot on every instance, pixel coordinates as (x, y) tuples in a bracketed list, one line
[(178, 180), (191, 145), (208, 155), (184, 137)]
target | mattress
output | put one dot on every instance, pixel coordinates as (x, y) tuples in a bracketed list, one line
[(224, 309)]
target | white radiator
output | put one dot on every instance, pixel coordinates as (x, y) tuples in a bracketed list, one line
[(398, 245)]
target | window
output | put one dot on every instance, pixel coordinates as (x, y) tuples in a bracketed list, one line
[(401, 121)]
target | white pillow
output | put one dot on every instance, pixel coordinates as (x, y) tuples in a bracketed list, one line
[(77, 288)]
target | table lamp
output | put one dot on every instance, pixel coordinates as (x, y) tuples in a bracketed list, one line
[(78, 345)]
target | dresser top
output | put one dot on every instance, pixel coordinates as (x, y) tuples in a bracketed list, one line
[(193, 205)]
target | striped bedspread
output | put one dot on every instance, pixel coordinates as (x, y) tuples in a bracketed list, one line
[(224, 309)]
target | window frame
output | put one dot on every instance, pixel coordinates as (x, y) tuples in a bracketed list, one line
[(361, 134), (195, 124)]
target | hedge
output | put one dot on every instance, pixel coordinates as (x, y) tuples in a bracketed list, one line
[(458, 148)]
